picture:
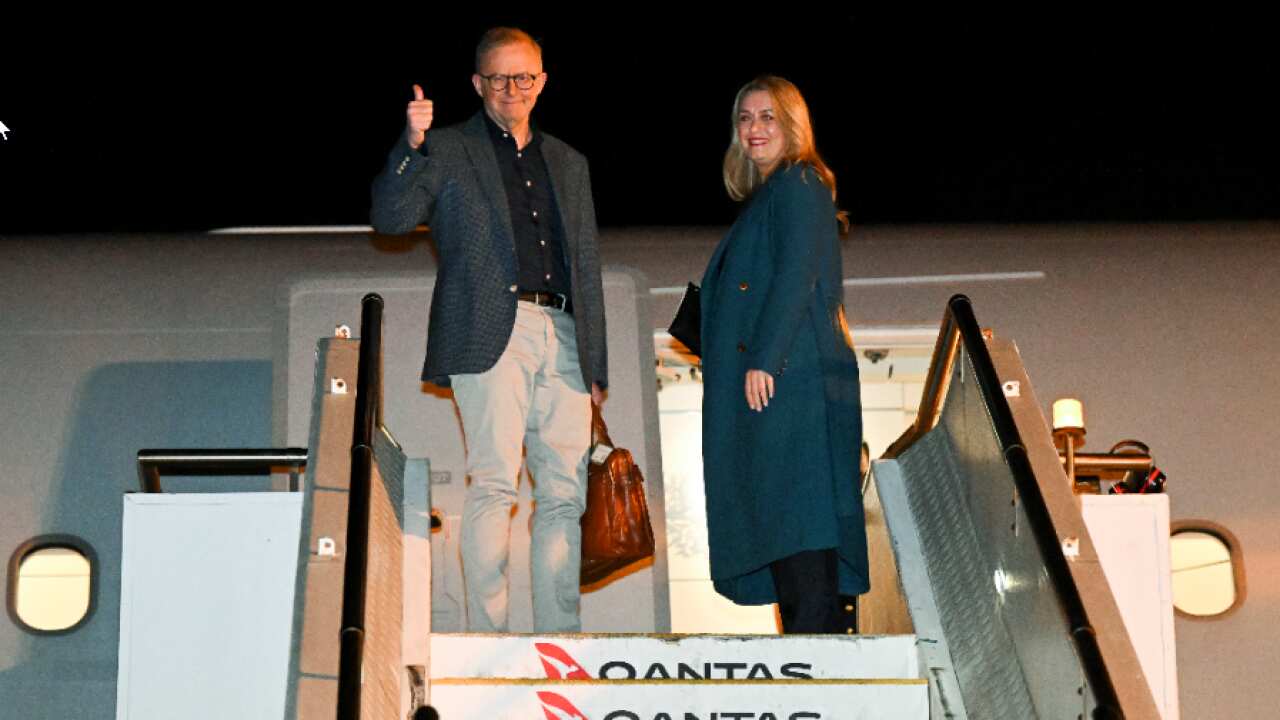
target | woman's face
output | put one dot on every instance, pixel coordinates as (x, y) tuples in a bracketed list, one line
[(758, 131)]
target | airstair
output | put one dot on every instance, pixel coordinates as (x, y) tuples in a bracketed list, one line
[(989, 599)]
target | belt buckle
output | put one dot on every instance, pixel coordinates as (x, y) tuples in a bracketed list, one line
[(555, 301)]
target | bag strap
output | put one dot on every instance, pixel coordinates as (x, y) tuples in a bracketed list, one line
[(599, 432)]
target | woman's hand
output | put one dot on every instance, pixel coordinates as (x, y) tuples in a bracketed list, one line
[(759, 388)]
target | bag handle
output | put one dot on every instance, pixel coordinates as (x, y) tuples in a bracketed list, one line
[(599, 431)]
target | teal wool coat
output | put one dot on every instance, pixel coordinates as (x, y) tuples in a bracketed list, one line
[(785, 479)]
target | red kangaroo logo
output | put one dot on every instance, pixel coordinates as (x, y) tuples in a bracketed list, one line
[(558, 664), (557, 708)]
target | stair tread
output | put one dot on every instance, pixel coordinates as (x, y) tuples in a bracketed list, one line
[(636, 657), (648, 701)]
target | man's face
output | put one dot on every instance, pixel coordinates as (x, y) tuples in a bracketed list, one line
[(510, 106)]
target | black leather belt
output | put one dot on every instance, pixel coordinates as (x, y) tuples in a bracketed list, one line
[(551, 300)]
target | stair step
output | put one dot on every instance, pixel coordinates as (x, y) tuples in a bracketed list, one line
[(673, 657), (902, 699)]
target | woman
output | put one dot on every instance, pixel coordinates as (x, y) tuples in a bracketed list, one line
[(781, 408)]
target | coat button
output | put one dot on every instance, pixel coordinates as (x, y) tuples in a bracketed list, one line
[(742, 348), (512, 288), (743, 286)]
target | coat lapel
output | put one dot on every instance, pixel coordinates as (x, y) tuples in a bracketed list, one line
[(480, 150), (711, 277), (558, 168), (717, 259), (717, 255)]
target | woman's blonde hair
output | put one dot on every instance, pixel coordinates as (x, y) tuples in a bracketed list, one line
[(741, 177)]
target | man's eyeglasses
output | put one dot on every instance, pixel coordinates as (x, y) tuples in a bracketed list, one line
[(498, 81)]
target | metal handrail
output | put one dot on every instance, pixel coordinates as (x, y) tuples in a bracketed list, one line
[(960, 328), (242, 461), (936, 383), (1110, 466), (367, 414)]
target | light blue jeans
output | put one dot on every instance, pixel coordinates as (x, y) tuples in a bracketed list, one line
[(533, 397)]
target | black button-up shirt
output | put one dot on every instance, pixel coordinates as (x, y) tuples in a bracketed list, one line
[(539, 235)]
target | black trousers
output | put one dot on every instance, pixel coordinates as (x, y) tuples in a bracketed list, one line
[(808, 589)]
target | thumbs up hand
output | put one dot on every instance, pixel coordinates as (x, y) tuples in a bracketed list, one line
[(419, 114)]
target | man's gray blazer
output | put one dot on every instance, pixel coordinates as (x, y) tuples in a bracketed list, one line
[(456, 189)]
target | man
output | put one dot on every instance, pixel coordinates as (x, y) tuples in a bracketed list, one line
[(517, 318)]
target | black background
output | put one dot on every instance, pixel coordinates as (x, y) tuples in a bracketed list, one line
[(177, 123)]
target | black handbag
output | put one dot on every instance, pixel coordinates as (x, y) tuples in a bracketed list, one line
[(687, 325)]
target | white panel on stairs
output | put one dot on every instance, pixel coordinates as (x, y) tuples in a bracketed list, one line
[(630, 657), (677, 700)]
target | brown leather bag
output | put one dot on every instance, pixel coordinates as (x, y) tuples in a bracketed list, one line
[(615, 528)]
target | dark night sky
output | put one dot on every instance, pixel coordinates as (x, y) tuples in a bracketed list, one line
[(923, 118)]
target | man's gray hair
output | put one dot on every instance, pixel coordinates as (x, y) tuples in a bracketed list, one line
[(499, 36)]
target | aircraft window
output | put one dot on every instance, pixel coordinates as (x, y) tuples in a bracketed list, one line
[(1208, 576), (50, 586)]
